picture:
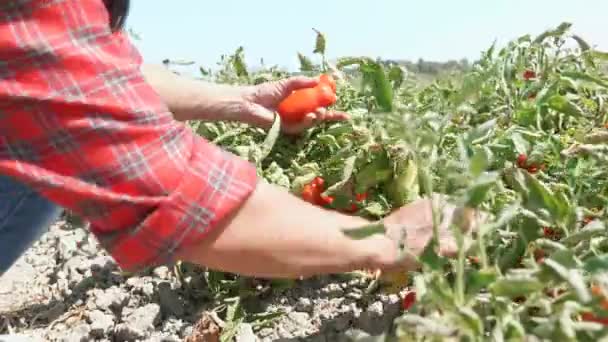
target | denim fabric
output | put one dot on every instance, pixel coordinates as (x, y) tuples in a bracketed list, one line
[(24, 217)]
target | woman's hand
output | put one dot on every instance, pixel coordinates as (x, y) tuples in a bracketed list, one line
[(261, 102), (417, 220)]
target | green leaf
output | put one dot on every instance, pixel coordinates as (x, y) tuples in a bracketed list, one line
[(270, 140), (539, 196), (479, 162), (570, 276), (235, 316), (305, 63), (479, 191), (380, 84), (471, 320), (375, 172), (581, 76), (596, 264), (563, 105), (557, 32), (521, 145), (478, 280), (238, 63), (404, 188), (581, 43), (598, 54), (365, 231), (516, 285), (396, 76), (430, 258), (480, 132), (319, 43), (595, 228)]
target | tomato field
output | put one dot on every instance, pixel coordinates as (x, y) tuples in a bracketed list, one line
[(521, 136)]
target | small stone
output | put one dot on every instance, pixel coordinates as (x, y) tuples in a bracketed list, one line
[(304, 304), (245, 333), (101, 323), (341, 323), (102, 262), (300, 318), (170, 303), (376, 308), (113, 298), (134, 282), (143, 319), (79, 333), (54, 312), (353, 295), (123, 333), (333, 290), (148, 289), (161, 272)]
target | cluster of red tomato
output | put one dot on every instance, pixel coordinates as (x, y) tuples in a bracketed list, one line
[(522, 163), (597, 291), (313, 193)]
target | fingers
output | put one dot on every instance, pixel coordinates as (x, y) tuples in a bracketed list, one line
[(298, 82), (329, 115)]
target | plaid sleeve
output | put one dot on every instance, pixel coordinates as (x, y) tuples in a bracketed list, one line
[(79, 123)]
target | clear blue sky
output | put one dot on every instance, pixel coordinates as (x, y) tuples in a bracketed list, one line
[(202, 30)]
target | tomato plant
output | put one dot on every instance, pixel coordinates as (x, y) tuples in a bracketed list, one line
[(530, 153)]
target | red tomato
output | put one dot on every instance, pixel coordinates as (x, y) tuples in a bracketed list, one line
[(409, 300), (318, 181), (590, 317), (361, 197), (533, 169), (327, 79), (304, 101), (309, 193), (327, 200), (521, 160), (474, 260), (529, 74)]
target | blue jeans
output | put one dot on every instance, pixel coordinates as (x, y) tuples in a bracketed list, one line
[(24, 217)]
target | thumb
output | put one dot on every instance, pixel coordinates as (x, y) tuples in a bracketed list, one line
[(291, 84)]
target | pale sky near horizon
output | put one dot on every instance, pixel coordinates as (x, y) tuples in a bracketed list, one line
[(274, 30)]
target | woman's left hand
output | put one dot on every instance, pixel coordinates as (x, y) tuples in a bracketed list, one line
[(261, 102)]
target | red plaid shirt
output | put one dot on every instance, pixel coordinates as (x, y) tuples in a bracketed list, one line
[(80, 125)]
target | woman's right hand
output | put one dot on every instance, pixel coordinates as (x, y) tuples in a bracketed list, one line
[(416, 219)]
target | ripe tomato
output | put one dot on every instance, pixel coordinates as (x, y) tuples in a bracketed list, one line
[(318, 181), (327, 79), (409, 300), (529, 74), (304, 101), (474, 260), (590, 317), (532, 169), (521, 160), (551, 233), (361, 197), (309, 193), (327, 200)]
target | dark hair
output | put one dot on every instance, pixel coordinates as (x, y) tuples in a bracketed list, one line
[(118, 10)]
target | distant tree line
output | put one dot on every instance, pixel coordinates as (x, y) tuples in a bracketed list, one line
[(431, 67)]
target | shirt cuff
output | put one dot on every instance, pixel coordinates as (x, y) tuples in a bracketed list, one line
[(214, 186)]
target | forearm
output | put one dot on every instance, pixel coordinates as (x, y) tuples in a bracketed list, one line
[(191, 99), (275, 234)]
